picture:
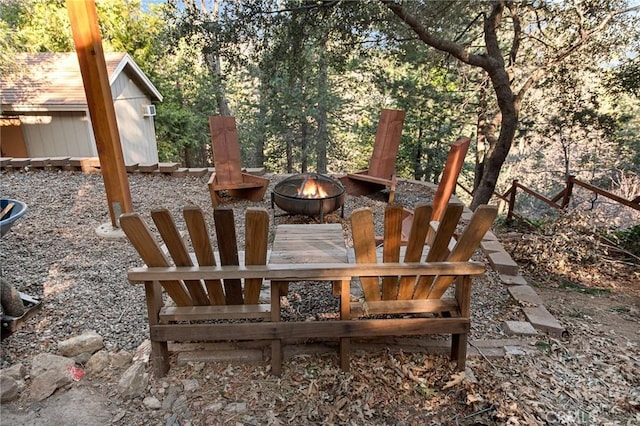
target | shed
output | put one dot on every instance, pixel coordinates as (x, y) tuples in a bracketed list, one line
[(44, 112)]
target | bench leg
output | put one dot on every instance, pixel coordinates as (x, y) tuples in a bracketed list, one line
[(459, 341), (459, 350), (159, 350), (345, 314), (276, 344)]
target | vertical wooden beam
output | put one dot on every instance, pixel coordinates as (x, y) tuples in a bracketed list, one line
[(86, 36)]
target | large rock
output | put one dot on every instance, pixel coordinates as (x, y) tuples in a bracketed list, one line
[(134, 380), (48, 373), (88, 342)]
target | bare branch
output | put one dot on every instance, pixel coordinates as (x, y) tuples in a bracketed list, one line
[(517, 30)]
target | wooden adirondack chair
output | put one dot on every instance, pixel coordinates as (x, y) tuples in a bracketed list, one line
[(228, 175), (424, 292), (446, 187), (381, 172), (198, 300)]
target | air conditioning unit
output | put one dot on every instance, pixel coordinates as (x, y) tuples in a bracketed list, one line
[(149, 111)]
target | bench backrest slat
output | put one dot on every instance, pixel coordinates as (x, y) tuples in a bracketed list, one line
[(385, 149), (196, 289), (179, 252), (228, 248), (149, 250), (201, 243), (256, 240), (407, 286)]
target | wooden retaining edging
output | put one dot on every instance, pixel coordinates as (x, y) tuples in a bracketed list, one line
[(92, 165)]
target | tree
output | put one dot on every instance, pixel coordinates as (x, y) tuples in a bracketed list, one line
[(557, 31)]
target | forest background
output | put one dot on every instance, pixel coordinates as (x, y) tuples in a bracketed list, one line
[(546, 89)]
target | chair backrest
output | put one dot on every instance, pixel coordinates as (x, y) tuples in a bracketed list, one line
[(412, 287), (226, 149), (197, 292), (385, 149), (447, 185)]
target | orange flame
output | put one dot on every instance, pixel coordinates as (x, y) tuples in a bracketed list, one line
[(310, 188)]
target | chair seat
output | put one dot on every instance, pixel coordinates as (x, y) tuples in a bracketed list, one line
[(240, 185), (368, 178)]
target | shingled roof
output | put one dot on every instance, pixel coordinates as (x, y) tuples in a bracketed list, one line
[(52, 82)]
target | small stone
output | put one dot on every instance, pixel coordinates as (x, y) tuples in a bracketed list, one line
[(190, 385), (152, 403), (98, 362), (172, 394), (16, 371), (119, 416), (9, 388), (216, 406), (120, 359), (82, 358), (143, 352), (514, 351), (521, 328), (90, 342), (180, 404), (236, 407)]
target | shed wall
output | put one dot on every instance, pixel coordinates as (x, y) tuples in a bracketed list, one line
[(137, 133), (56, 134)]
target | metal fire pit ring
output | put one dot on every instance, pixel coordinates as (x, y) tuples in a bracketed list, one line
[(285, 196)]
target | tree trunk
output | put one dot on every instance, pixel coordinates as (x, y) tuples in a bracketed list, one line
[(304, 139), (508, 121), (323, 136), (215, 68)]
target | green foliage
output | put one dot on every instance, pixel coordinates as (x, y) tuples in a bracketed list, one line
[(182, 121), (306, 80), (38, 25), (628, 239)]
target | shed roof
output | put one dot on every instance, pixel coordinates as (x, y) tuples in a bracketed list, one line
[(52, 81)]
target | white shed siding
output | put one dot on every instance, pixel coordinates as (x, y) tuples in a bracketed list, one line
[(58, 134), (137, 133)]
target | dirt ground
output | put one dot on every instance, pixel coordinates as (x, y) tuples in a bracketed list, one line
[(80, 406)]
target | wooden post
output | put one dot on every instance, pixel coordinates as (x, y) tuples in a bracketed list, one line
[(568, 192), (512, 199), (86, 36)]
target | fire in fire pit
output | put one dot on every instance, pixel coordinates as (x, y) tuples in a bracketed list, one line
[(309, 194)]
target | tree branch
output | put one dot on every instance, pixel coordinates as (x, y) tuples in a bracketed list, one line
[(490, 35), (447, 46)]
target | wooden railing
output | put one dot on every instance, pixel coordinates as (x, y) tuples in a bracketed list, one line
[(558, 201)]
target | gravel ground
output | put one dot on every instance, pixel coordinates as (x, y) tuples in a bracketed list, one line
[(53, 253)]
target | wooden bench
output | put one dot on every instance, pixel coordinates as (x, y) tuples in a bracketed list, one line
[(405, 290)]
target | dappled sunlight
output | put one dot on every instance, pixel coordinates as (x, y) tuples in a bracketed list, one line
[(55, 283), (84, 191)]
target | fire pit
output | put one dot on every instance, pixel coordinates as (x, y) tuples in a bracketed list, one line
[(309, 194)]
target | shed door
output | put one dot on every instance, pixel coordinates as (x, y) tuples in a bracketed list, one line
[(11, 138)]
